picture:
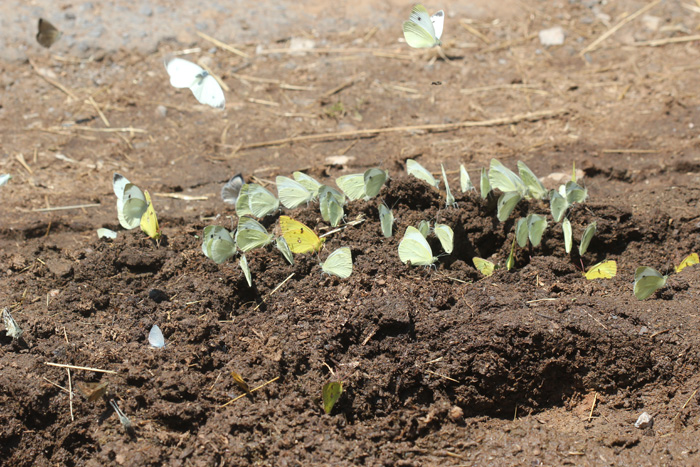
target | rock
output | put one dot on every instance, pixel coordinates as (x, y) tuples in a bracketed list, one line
[(59, 267), (644, 421), (552, 36), (456, 414)]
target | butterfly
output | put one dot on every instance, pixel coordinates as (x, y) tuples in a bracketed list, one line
[(464, 181), (185, 74), (386, 218), (12, 328), (568, 236), (4, 178), (420, 172), (414, 248), (446, 236), (283, 247), (93, 391), (251, 234), (292, 193), (230, 190), (422, 30), (131, 202), (106, 233), (243, 263), (238, 379), (450, 199), (602, 270), (485, 267), (155, 337), (647, 281), (47, 34), (218, 245), (149, 220), (339, 263), (586, 238), (308, 182), (331, 204), (331, 394), (300, 238), (690, 260)]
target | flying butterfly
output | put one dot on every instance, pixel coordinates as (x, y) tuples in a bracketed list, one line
[(47, 33)]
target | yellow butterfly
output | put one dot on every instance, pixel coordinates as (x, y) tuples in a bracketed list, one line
[(690, 260), (604, 270), (300, 238), (149, 220), (485, 267)]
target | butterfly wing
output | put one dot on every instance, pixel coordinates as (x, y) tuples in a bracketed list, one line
[(300, 238), (131, 207), (339, 263), (386, 218), (243, 263), (374, 180), (446, 236), (420, 172), (353, 185), (155, 337), (292, 194), (485, 267), (415, 249), (183, 73), (230, 191), (208, 91), (438, 20), (47, 33), (149, 220)]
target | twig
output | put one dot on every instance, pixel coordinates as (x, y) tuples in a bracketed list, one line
[(103, 130), (629, 151), (57, 385), (20, 159), (474, 31), (595, 399), (510, 43), (252, 390), (63, 208), (529, 87), (181, 196), (53, 82), (542, 300), (223, 45), (70, 395), (345, 85), (60, 365), (263, 102), (593, 45), (530, 116), (273, 291), (442, 376), (99, 111), (668, 40), (215, 76)]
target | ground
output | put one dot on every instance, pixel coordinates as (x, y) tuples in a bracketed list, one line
[(532, 366)]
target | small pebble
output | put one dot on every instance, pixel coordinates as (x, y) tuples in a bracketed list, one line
[(644, 421), (552, 36)]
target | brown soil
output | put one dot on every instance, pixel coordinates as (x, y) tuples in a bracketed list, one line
[(533, 366)]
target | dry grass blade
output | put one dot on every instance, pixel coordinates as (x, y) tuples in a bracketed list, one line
[(594, 45), (64, 208), (668, 40), (223, 45), (53, 82), (251, 391), (85, 368)]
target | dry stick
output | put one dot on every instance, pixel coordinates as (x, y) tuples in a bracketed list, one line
[(345, 85), (55, 384), (273, 291), (99, 111), (590, 414), (531, 116), (474, 31), (223, 45), (686, 403), (104, 130), (263, 102), (53, 82), (669, 40), (629, 151), (320, 50), (70, 396), (74, 367), (64, 208), (593, 45), (529, 87), (507, 44), (442, 376), (181, 196), (20, 159), (252, 390)]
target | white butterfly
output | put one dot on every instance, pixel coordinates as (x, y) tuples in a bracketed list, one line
[(230, 191), (206, 89), (422, 30)]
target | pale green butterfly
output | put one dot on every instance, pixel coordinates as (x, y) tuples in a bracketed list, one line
[(420, 172), (251, 234), (242, 203), (424, 228), (339, 197), (422, 30), (536, 225), (558, 205), (308, 182), (12, 328), (374, 180), (106, 233), (218, 245), (353, 185), (339, 263), (647, 281), (568, 236), (534, 186), (510, 261), (131, 207), (504, 179), (506, 203), (586, 238), (575, 193), (331, 210), (521, 233), (4, 178), (464, 180), (283, 247), (243, 263), (485, 186), (414, 249), (450, 200), (261, 202), (386, 218), (446, 236), (292, 194)]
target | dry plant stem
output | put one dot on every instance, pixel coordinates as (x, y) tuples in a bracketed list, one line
[(531, 116), (85, 368), (252, 390), (274, 290), (668, 40), (99, 111), (103, 130), (70, 395), (223, 45), (595, 399), (215, 76), (181, 196), (20, 159), (63, 208), (594, 45), (53, 82), (442, 376)]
